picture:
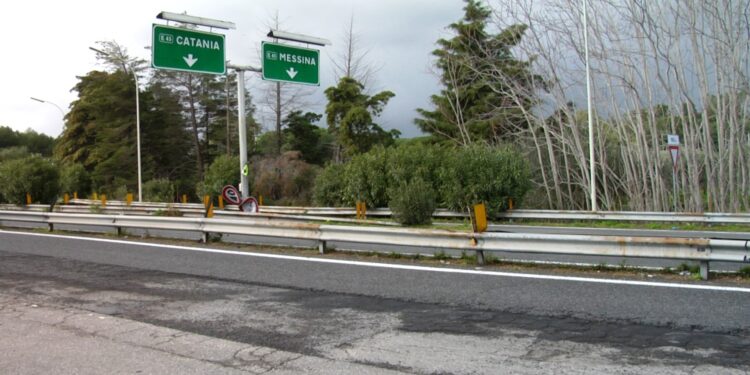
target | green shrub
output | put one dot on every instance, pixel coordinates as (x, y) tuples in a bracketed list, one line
[(745, 272), (13, 153), (159, 190), (485, 174), (366, 178), (225, 170), (74, 178), (412, 203), (329, 186), (35, 175), (456, 177)]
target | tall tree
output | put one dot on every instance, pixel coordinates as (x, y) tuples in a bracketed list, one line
[(350, 113), (353, 58), (99, 131), (301, 134), (478, 71)]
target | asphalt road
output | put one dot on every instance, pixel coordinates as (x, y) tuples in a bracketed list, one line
[(409, 319)]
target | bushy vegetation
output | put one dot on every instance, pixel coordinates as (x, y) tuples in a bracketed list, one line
[(412, 202), (284, 180), (34, 175), (159, 190), (328, 189), (74, 178), (417, 177), (223, 171)]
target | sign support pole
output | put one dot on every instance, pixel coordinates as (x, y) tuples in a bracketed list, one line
[(242, 125), (244, 185), (674, 188)]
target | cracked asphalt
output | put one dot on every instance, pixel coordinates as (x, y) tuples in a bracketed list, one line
[(65, 315)]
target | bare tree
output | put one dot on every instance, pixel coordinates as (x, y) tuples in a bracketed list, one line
[(667, 67), (282, 98), (353, 59)]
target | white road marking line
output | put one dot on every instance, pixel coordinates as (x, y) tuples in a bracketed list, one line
[(401, 266)]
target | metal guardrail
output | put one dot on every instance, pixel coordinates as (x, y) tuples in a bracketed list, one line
[(326, 213), (703, 218), (702, 250)]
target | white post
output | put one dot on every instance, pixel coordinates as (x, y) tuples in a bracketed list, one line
[(138, 132), (244, 185), (590, 114)]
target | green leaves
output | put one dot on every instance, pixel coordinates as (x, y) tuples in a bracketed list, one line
[(417, 176), (350, 113), (34, 175), (486, 90)]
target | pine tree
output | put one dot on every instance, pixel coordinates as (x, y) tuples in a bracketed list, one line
[(485, 87), (350, 113)]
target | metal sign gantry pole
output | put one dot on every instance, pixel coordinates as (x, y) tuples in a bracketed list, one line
[(244, 184)]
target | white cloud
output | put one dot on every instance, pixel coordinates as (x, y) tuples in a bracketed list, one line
[(45, 46)]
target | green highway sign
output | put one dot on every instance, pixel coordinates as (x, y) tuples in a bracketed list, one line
[(290, 64), (187, 50)]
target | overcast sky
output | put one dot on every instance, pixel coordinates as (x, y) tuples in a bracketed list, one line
[(45, 46)]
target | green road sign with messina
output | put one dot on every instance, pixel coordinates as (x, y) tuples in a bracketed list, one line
[(176, 48), (290, 64)]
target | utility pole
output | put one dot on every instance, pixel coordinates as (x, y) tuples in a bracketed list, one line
[(590, 113)]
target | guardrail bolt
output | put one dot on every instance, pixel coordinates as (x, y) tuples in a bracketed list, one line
[(705, 269)]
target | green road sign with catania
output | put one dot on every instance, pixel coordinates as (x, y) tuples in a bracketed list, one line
[(176, 48), (290, 64)]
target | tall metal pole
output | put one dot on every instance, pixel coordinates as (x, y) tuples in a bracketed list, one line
[(62, 113), (138, 132), (590, 114), (244, 185)]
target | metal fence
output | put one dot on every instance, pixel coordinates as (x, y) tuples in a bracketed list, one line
[(696, 249)]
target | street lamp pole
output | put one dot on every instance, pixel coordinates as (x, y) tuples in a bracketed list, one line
[(588, 105), (48, 102), (137, 121)]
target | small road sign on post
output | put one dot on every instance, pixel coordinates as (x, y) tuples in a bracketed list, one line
[(187, 50), (290, 64), (673, 145)]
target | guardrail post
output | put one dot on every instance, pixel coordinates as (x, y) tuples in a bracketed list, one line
[(704, 269), (480, 257), (322, 247), (204, 237), (119, 231)]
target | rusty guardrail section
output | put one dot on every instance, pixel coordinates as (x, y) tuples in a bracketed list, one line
[(194, 209), (696, 249)]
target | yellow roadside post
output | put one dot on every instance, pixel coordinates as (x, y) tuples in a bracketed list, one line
[(75, 195), (95, 196), (479, 224), (66, 198), (221, 202), (206, 200), (210, 212), (104, 200), (510, 203), (28, 198), (260, 200), (129, 199), (184, 198)]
